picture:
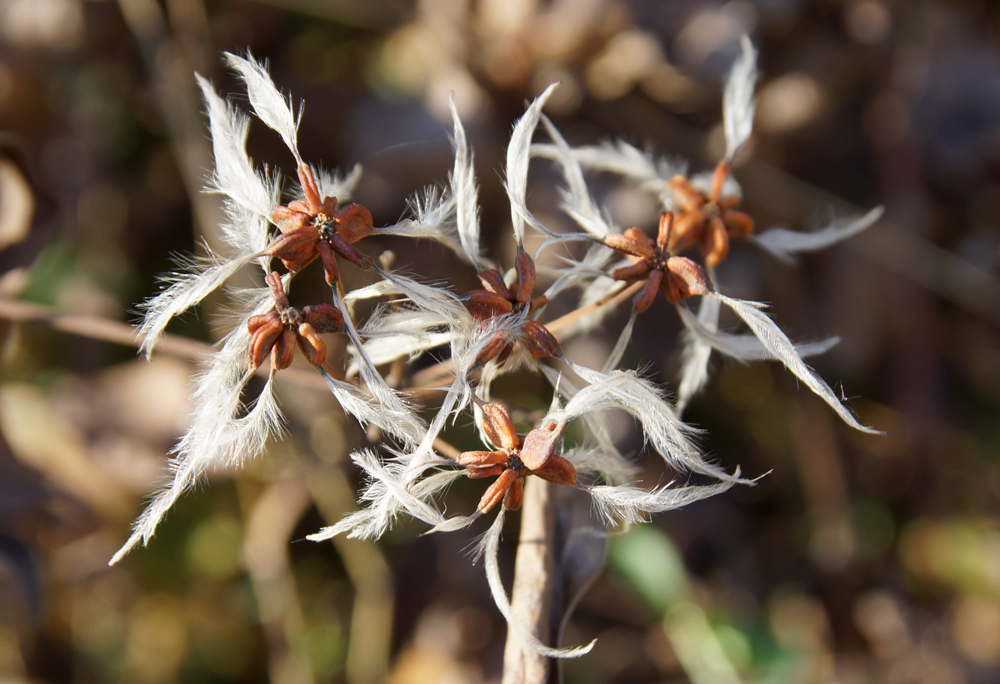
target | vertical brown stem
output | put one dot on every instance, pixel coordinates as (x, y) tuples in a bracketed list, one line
[(531, 596)]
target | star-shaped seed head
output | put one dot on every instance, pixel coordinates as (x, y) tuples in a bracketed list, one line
[(675, 277), (313, 228), (276, 333), (707, 220), (515, 458), (497, 299)]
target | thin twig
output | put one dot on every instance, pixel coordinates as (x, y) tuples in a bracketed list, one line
[(531, 596)]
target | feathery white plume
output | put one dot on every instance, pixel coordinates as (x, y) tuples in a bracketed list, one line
[(234, 176), (633, 505), (268, 103), (218, 433), (742, 347), (432, 216), (694, 371), (396, 417), (185, 290), (785, 243), (778, 347), (628, 161), (738, 104), (465, 191), (660, 425), (576, 199), (332, 184), (518, 158)]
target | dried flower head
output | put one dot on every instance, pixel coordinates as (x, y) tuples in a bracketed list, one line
[(280, 330), (515, 458), (708, 220), (313, 228), (675, 276)]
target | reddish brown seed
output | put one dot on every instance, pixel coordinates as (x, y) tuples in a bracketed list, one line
[(539, 446), (324, 318), (494, 282), (647, 294), (273, 281), (690, 277), (354, 222), (715, 243), (496, 491), (255, 322), (558, 470), (738, 223), (479, 472), (312, 346), (540, 300), (722, 172), (263, 341), (636, 270), (284, 350), (499, 427), (484, 305), (629, 245), (309, 187), (524, 266), (482, 458), (344, 248), (496, 347), (539, 341), (515, 494), (664, 230), (329, 258), (686, 229), (685, 194)]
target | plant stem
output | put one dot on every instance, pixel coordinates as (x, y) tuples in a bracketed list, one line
[(531, 596)]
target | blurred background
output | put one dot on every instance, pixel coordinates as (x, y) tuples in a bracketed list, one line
[(857, 559)]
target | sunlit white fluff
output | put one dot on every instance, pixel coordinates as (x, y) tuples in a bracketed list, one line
[(219, 433), (697, 351), (784, 244), (268, 103), (432, 215), (518, 159), (632, 505), (661, 427), (465, 191), (738, 103), (777, 346), (742, 347), (385, 497), (623, 159), (250, 199), (185, 288), (395, 417), (576, 199), (333, 184)]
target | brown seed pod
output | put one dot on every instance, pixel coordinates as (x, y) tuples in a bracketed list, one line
[(515, 494), (354, 222), (558, 471), (482, 458), (312, 346), (539, 341), (499, 427), (496, 491), (540, 445), (284, 350), (524, 266), (324, 318), (484, 305)]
